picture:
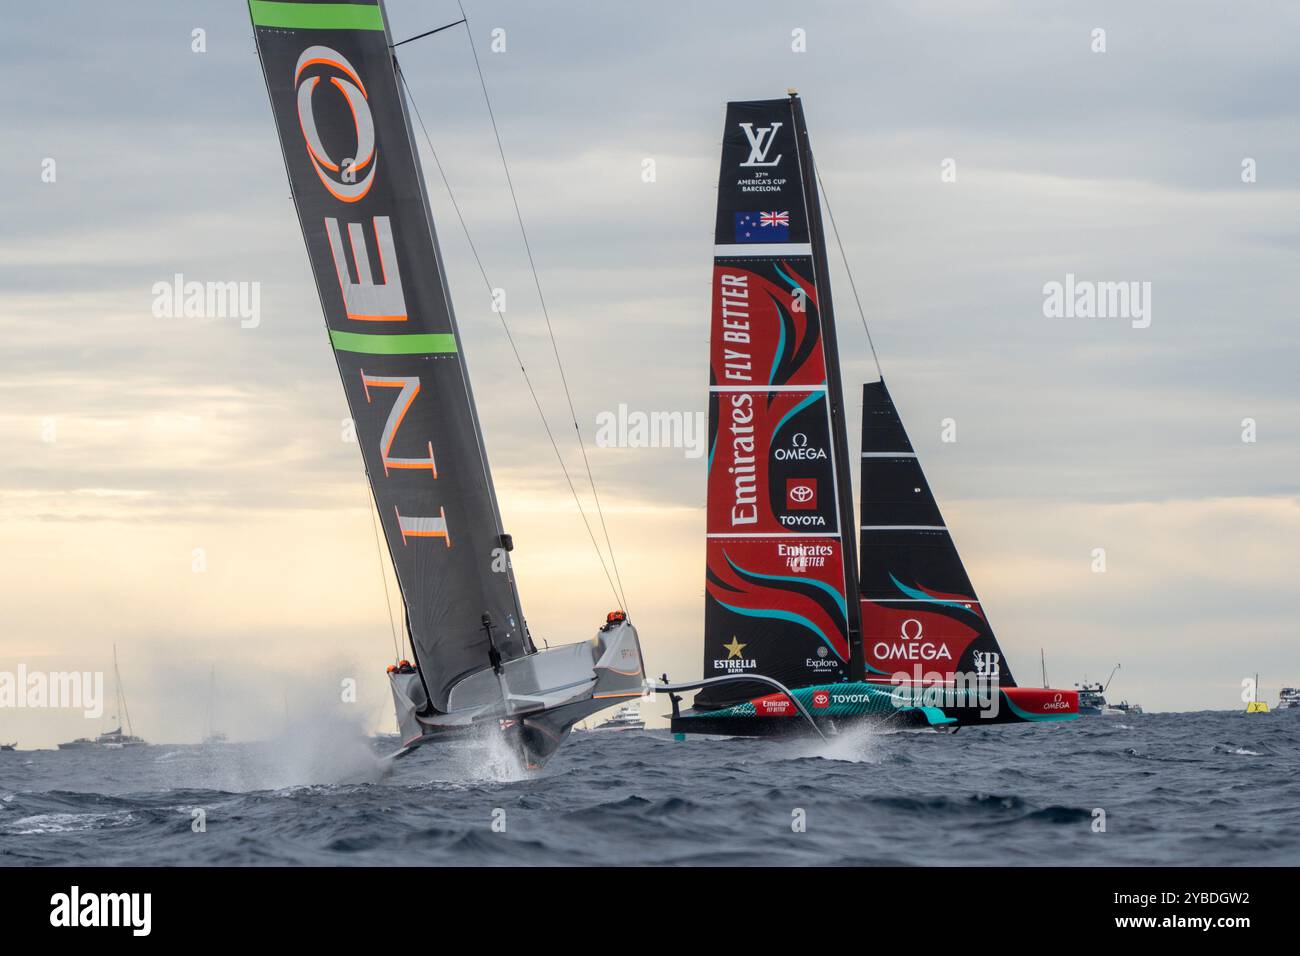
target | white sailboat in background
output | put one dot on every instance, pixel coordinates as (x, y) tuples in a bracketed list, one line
[(114, 739), (212, 736)]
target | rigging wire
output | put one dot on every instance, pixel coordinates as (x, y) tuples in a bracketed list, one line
[(537, 282), (546, 425), (383, 572), (426, 33), (845, 259)]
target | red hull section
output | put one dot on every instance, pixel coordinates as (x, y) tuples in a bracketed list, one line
[(1039, 702)]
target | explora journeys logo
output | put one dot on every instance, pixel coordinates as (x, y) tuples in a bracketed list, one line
[(821, 662)]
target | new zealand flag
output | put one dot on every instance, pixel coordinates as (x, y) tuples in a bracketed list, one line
[(763, 227)]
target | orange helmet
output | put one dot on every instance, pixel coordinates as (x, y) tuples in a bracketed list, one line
[(613, 617), (391, 668)]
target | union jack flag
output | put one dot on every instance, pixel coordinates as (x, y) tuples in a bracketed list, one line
[(774, 219)]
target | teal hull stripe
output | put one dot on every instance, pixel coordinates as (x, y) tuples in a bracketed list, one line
[(873, 699)]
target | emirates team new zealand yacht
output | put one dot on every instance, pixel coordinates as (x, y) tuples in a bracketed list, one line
[(803, 625), (360, 194)]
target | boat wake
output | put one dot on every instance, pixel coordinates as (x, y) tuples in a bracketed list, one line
[(483, 758), (1237, 751), (323, 751), (46, 823), (859, 744)]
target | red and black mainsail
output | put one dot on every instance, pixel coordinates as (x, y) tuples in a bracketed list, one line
[(781, 596), (786, 595)]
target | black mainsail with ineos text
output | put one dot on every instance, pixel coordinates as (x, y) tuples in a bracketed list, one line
[(361, 201)]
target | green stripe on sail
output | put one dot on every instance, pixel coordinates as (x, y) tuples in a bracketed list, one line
[(316, 16), (425, 343)]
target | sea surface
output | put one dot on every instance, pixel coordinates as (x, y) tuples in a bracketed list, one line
[(1178, 789)]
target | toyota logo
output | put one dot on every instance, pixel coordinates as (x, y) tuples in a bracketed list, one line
[(801, 493)]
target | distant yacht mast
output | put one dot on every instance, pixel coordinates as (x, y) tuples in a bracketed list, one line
[(123, 712)]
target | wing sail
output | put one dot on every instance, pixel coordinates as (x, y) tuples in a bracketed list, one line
[(920, 614), (780, 589), (360, 196)]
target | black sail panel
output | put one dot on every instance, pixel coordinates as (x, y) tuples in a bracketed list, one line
[(780, 584), (920, 613), (360, 197)]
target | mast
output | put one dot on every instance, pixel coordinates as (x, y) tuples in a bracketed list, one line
[(1042, 657), (1110, 678), (212, 696), (503, 539), (122, 711), (834, 386)]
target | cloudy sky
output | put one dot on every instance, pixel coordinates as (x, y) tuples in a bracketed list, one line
[(132, 440)]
